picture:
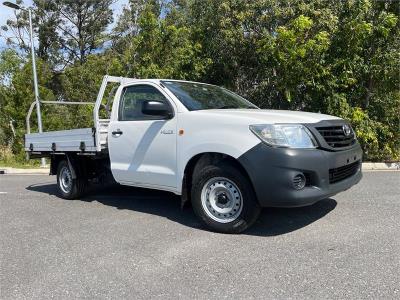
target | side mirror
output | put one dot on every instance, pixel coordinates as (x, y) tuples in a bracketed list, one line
[(156, 108)]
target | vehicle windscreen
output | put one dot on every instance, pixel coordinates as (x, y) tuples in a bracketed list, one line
[(197, 96)]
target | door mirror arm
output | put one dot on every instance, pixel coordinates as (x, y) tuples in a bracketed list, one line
[(169, 115)]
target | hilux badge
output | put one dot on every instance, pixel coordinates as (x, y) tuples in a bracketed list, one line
[(167, 131), (346, 130)]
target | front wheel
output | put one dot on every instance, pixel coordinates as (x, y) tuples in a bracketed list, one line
[(68, 187), (223, 199)]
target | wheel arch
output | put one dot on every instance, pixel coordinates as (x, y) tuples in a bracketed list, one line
[(202, 159)]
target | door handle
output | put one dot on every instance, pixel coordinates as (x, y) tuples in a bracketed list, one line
[(117, 133)]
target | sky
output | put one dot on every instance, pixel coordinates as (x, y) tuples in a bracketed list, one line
[(7, 13)]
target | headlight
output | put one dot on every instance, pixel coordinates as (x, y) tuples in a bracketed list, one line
[(285, 135)]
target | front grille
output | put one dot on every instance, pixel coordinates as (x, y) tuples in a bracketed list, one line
[(341, 173), (334, 136)]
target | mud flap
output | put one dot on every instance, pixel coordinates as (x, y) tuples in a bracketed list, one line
[(73, 173), (184, 196)]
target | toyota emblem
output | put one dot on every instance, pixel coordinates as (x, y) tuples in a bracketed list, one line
[(346, 130)]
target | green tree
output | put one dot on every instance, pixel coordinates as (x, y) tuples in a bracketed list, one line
[(16, 96), (161, 49), (67, 30)]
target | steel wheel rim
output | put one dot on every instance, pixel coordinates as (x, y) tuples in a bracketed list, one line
[(65, 181), (221, 199)]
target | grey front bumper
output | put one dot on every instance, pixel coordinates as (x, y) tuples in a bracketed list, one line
[(271, 171)]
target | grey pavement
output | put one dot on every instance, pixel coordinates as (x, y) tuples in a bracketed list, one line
[(120, 243)]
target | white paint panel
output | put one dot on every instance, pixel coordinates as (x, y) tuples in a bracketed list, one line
[(207, 133), (145, 153)]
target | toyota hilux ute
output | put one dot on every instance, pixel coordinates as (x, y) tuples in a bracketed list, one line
[(214, 148)]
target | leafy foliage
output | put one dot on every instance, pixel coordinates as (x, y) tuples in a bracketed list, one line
[(328, 56)]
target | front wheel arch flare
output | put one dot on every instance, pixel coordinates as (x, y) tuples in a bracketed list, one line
[(207, 158)]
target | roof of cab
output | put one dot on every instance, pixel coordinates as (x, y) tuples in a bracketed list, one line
[(159, 80)]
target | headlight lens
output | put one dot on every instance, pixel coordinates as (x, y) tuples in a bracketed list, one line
[(285, 135)]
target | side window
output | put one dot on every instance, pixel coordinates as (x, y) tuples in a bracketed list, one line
[(132, 98)]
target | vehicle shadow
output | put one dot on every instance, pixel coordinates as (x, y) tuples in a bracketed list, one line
[(272, 221)]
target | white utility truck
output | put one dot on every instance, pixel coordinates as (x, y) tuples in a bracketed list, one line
[(205, 143)]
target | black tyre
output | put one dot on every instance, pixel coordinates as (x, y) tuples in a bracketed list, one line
[(68, 187), (223, 198)]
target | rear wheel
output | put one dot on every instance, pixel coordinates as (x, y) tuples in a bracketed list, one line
[(223, 198), (69, 187)]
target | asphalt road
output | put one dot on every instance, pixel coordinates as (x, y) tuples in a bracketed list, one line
[(135, 243)]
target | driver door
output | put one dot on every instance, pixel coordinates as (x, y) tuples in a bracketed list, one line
[(143, 147)]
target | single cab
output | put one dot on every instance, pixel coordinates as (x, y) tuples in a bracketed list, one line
[(214, 148)]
